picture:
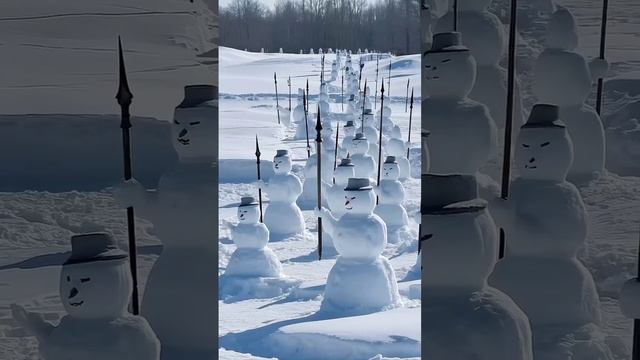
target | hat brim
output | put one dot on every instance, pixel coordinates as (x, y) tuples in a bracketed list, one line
[(114, 254), (359, 189), (456, 48), (554, 125), (465, 207)]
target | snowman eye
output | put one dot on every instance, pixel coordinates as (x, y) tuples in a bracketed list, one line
[(68, 278), (353, 198), (194, 123), (525, 145), (84, 280), (176, 122), (446, 60), (545, 144)]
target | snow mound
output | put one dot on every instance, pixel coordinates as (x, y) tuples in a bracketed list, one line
[(393, 333)]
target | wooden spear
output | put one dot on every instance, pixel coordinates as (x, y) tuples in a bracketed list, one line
[(364, 101), (306, 123), (603, 46), (319, 176), (410, 116), (125, 97), (275, 81), (406, 99), (259, 177)]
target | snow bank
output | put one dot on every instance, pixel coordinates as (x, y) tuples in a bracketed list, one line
[(79, 152), (393, 333)]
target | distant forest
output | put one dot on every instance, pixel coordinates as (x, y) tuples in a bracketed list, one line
[(386, 25)]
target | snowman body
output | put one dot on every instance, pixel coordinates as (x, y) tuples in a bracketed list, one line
[(396, 148), (365, 165), (361, 281), (282, 216), (463, 318), (252, 258), (545, 222)]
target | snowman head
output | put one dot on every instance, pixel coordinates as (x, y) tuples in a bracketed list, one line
[(195, 124), (360, 144), (543, 149), (562, 31), (456, 229), (473, 5), (95, 282), (248, 210), (344, 171), (282, 162), (349, 128), (396, 147), (390, 169), (359, 198), (386, 111), (449, 68)]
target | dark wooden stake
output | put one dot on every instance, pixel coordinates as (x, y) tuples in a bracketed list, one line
[(508, 129), (410, 117), (375, 97), (335, 151), (406, 99), (319, 175), (125, 97), (289, 84), (306, 122), (259, 176), (275, 81), (603, 47), (364, 101), (380, 137)]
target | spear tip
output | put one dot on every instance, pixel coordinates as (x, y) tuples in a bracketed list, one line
[(257, 147), (124, 94)]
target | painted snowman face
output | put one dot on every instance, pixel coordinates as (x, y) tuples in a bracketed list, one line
[(359, 146), (369, 119), (390, 171), (359, 202), (248, 214), (342, 174), (386, 112), (349, 131), (282, 165), (449, 74), (544, 153), (195, 132), (96, 290)]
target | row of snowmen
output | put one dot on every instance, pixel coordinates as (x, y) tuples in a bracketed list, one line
[(178, 309), (539, 301), (358, 217)]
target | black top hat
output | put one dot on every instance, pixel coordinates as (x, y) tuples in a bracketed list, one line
[(368, 111), (447, 42), (359, 136), (94, 247), (450, 194), (346, 162), (425, 133), (197, 94), (390, 160), (544, 116), (248, 201), (349, 123), (282, 152), (358, 184)]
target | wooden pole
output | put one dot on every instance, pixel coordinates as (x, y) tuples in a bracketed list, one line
[(410, 116), (375, 97), (364, 101), (319, 176), (406, 101), (289, 84), (508, 129), (306, 123), (259, 177), (603, 47), (125, 97), (455, 15), (275, 80), (380, 137)]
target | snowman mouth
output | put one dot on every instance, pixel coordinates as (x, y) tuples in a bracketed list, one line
[(76, 304), (184, 141), (347, 205), (530, 167), (242, 217)]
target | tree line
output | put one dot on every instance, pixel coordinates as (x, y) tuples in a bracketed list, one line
[(386, 25)]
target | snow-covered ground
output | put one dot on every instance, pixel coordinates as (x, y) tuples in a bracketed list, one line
[(258, 326)]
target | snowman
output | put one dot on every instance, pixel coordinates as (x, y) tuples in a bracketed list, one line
[(462, 317), (430, 11), (183, 211), (484, 34), (252, 258), (545, 224), (282, 216), (361, 280), (365, 165), (398, 149), (389, 128), (455, 122), (349, 131), (298, 117), (308, 199), (425, 164), (391, 195), (323, 104), (334, 70), (370, 132), (95, 289), (563, 78)]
